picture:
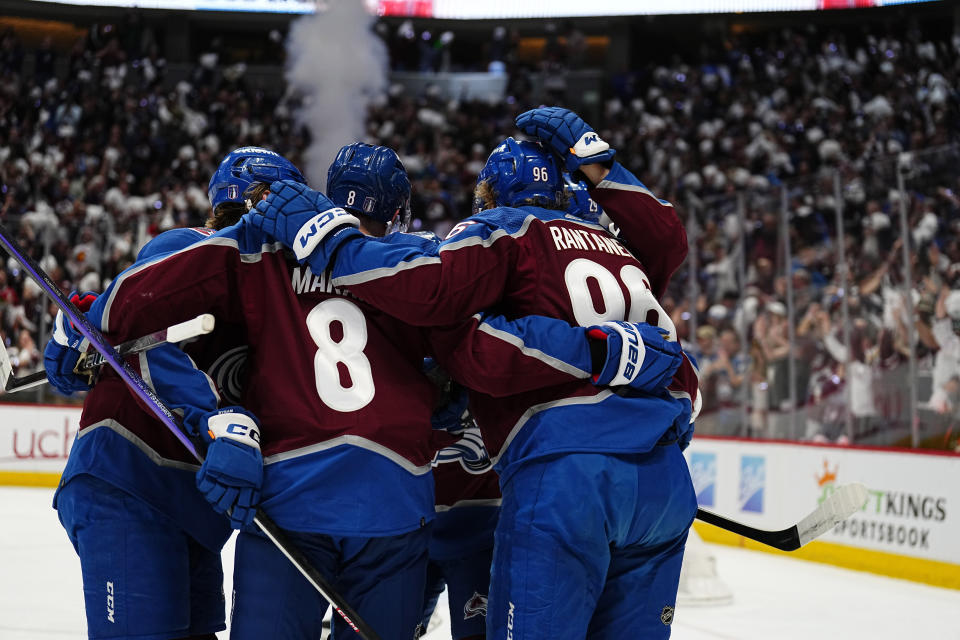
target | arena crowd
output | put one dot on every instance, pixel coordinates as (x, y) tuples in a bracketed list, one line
[(99, 151)]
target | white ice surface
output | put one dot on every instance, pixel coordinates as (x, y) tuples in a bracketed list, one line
[(774, 597)]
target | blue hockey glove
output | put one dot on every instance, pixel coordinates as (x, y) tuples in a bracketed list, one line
[(638, 355), (232, 473), (451, 412), (567, 135), (65, 347), (453, 415), (304, 220)]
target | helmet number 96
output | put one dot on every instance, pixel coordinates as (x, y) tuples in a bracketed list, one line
[(541, 174)]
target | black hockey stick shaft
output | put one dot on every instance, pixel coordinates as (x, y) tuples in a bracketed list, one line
[(91, 361), (163, 413), (839, 505), (785, 540)]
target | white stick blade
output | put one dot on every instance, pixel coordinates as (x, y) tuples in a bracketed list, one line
[(200, 325), (842, 503)]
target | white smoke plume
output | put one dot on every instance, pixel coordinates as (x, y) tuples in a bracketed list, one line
[(338, 64)]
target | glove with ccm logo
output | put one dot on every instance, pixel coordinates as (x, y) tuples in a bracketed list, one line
[(304, 220), (567, 135), (637, 355), (232, 473)]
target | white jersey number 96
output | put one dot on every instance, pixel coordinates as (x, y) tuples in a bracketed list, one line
[(643, 304)]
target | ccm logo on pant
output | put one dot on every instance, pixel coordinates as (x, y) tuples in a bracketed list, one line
[(110, 610)]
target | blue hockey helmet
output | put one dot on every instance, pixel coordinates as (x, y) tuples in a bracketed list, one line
[(581, 204), (246, 166), (372, 181), (522, 171)]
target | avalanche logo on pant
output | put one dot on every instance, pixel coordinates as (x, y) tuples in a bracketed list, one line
[(475, 606)]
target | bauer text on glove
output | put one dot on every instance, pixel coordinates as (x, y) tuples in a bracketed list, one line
[(637, 355)]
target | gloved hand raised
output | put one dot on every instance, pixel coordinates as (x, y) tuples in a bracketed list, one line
[(304, 220), (564, 132), (65, 347), (232, 473), (638, 355)]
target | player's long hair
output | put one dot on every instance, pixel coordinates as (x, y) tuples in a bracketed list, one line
[(225, 215), (228, 214), (485, 197)]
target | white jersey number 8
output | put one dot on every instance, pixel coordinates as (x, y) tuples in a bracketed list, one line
[(642, 301), (348, 351)]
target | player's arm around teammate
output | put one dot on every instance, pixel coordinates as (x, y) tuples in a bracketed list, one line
[(526, 255), (148, 542), (496, 356)]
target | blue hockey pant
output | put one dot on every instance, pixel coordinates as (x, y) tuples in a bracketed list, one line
[(381, 578), (143, 577), (590, 546), (467, 581)]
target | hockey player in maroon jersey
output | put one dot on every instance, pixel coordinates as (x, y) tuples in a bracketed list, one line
[(148, 542), (460, 548), (597, 498), (343, 409)]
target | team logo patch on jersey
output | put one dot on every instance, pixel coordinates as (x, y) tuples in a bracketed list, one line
[(475, 606), (229, 372), (233, 192), (666, 616)]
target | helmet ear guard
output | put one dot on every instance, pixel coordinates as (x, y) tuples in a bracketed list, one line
[(371, 181)]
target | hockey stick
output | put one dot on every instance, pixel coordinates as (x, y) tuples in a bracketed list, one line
[(141, 389), (92, 361), (839, 506)]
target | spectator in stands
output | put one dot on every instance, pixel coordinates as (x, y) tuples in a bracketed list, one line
[(946, 369)]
